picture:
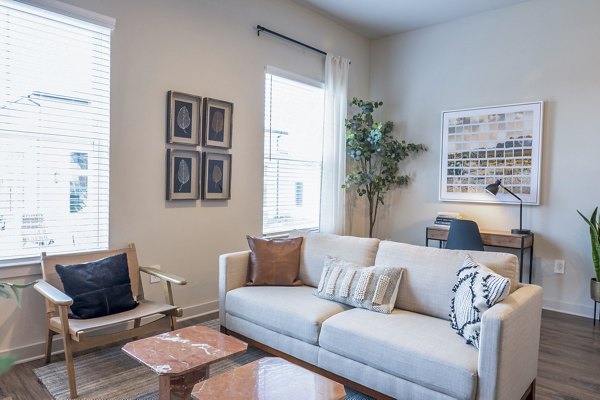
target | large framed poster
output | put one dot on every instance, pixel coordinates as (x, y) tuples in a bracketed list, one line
[(481, 145)]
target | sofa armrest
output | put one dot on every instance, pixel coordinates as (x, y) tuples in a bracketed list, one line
[(233, 272), (509, 345)]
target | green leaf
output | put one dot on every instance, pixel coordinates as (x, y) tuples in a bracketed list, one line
[(4, 293), (5, 363), (15, 290), (595, 240), (16, 294)]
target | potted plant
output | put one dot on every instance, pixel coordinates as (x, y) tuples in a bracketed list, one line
[(594, 223), (376, 155), (11, 290)]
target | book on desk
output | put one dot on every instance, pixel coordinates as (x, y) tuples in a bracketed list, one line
[(445, 218)]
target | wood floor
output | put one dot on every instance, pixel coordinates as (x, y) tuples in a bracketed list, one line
[(569, 365)]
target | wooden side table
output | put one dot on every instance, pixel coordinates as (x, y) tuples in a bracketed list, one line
[(501, 239), (181, 358), (270, 378)]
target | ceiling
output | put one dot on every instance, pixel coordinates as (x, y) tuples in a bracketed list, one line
[(377, 18)]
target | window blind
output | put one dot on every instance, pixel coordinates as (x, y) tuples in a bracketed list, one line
[(294, 112), (54, 132)]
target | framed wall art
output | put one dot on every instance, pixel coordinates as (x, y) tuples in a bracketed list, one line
[(183, 174), (481, 145), (216, 176), (218, 123), (183, 118)]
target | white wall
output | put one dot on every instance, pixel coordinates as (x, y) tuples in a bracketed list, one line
[(208, 48), (539, 50)]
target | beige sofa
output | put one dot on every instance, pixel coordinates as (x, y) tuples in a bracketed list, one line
[(412, 353)]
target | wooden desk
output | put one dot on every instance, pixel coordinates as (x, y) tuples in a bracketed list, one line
[(502, 239)]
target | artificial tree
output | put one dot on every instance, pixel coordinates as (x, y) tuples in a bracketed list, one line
[(376, 155)]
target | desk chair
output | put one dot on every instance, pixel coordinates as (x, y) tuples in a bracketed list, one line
[(464, 235)]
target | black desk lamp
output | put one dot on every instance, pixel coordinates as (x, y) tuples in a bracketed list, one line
[(493, 190)]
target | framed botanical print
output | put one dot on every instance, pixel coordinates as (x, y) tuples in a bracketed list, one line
[(183, 118), (216, 176), (218, 123), (182, 174), (486, 144)]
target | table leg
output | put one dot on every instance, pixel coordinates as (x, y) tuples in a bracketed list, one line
[(180, 387), (530, 263), (521, 263), (595, 302)]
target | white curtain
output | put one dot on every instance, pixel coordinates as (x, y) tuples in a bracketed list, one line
[(333, 197)]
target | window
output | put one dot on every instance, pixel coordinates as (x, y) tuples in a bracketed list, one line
[(294, 111), (54, 132)]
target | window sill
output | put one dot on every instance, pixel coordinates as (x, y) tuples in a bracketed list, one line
[(20, 268)]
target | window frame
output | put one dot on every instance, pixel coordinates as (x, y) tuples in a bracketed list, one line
[(284, 74), (97, 24)]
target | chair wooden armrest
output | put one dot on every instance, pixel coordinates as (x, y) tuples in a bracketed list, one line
[(52, 294), (177, 280)]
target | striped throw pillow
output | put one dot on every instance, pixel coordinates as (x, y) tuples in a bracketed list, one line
[(478, 288), (371, 288)]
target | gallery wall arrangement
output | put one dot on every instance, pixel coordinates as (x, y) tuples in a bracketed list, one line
[(190, 174), (482, 145)]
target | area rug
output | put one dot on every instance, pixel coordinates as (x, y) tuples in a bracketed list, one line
[(108, 373)]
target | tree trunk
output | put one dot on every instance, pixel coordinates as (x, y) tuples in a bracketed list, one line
[(372, 216)]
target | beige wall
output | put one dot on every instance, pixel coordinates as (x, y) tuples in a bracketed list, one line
[(208, 48), (539, 50)]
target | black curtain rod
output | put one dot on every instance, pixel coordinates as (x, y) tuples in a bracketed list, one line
[(260, 29)]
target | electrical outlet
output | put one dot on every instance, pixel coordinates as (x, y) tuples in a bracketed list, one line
[(154, 279), (559, 266)]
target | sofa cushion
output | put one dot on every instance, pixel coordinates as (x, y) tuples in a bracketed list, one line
[(317, 246), (371, 288), (274, 261), (430, 274), (478, 288), (290, 310), (414, 347)]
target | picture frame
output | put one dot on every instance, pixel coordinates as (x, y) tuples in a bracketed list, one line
[(184, 118), (183, 168), (218, 123), (482, 145), (216, 176)]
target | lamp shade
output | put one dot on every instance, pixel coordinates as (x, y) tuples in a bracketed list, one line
[(493, 188)]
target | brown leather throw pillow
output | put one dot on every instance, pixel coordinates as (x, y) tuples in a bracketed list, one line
[(274, 262)]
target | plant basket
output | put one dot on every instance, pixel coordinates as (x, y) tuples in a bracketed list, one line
[(595, 290)]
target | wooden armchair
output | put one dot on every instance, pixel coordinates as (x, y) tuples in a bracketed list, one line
[(81, 334)]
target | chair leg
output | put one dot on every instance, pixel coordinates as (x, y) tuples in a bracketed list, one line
[(136, 324), (173, 322), (49, 336), (70, 365), (67, 342)]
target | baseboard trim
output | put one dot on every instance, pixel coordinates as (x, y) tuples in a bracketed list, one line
[(36, 350), (569, 308), (199, 310)]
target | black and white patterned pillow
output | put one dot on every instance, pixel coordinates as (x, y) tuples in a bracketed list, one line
[(478, 288), (371, 288)]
